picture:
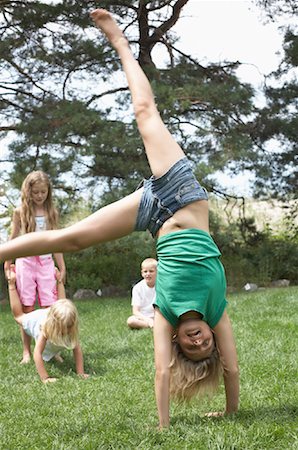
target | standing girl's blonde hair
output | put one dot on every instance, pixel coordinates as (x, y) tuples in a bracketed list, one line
[(35, 274), (27, 207)]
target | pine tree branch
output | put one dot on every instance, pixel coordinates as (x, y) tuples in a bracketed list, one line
[(15, 105), (146, 41), (108, 92), (17, 91), (8, 128), (27, 76), (168, 24)]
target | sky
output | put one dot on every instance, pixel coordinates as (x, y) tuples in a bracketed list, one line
[(218, 30), (231, 29)]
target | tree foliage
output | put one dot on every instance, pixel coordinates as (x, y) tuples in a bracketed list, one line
[(276, 8), (64, 96), (277, 123)]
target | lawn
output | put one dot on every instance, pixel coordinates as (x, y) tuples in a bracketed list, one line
[(115, 407)]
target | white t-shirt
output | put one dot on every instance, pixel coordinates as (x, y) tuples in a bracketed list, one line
[(40, 223), (144, 296), (32, 323)]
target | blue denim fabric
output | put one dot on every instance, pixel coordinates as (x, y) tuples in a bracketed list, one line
[(163, 196)]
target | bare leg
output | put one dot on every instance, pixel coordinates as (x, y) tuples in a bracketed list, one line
[(119, 218), (26, 339), (137, 323), (161, 148), (111, 222), (58, 358)]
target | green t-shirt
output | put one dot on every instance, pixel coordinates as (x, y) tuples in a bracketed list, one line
[(190, 276)]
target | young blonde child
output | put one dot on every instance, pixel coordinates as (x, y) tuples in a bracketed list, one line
[(143, 296), (193, 339), (35, 274), (54, 328)]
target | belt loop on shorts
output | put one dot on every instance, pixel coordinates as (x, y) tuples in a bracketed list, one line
[(38, 260)]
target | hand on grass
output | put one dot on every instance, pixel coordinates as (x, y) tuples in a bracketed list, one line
[(49, 380)]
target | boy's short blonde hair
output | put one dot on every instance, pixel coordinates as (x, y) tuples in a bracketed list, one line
[(189, 378), (149, 262), (62, 324)]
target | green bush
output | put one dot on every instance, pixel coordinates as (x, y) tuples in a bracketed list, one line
[(253, 256), (112, 264)]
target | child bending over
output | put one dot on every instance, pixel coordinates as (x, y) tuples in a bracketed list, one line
[(193, 339), (53, 328), (143, 296)]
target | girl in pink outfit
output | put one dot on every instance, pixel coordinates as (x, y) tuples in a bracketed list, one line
[(35, 274)]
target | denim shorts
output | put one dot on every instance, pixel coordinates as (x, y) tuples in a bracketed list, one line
[(163, 196)]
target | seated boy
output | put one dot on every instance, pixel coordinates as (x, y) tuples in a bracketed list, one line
[(143, 296)]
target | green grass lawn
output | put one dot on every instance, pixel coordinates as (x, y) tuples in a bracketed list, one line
[(115, 407)]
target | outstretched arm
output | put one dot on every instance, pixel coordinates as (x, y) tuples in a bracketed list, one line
[(163, 332), (227, 349)]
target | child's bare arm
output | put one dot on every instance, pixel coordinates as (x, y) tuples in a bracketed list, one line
[(60, 285), (60, 290), (79, 360), (15, 231), (37, 356), (61, 264), (163, 332), (228, 354), (14, 299)]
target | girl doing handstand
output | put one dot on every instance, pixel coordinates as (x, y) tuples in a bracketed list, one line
[(193, 337)]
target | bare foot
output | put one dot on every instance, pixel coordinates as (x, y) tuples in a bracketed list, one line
[(59, 358), (215, 414), (26, 359), (103, 20)]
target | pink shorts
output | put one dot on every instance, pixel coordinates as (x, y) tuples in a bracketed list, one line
[(36, 274)]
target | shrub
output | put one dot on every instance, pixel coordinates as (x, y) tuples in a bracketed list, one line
[(115, 263)]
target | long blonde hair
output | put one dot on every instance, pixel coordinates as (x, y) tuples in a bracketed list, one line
[(189, 378), (27, 214), (62, 324)]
